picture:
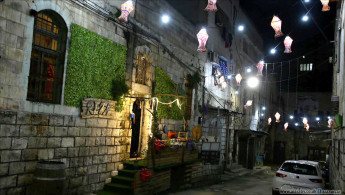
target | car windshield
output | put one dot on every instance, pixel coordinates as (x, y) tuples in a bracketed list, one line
[(296, 168)]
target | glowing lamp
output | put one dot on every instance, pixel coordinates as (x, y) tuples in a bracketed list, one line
[(277, 115), (202, 38), (277, 25), (286, 125), (248, 104), (305, 122), (288, 43), (269, 121), (238, 79), (126, 9), (260, 67), (211, 6), (307, 127), (325, 5)]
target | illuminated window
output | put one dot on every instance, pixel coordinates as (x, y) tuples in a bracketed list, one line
[(306, 67), (47, 58), (142, 69)]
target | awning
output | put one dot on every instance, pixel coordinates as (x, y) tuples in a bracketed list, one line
[(252, 132)]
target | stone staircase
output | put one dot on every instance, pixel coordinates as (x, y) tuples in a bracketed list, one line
[(122, 183)]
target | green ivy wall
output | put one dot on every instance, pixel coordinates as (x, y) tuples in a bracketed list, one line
[(94, 65), (164, 85)]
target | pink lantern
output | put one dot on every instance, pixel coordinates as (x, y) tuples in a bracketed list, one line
[(202, 38), (307, 127), (277, 115), (211, 6), (269, 121), (288, 43), (277, 25), (325, 5), (248, 104), (126, 9), (286, 125), (305, 122), (238, 79), (260, 67), (329, 123)]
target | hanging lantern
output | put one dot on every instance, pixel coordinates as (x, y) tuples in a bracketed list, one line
[(224, 85), (202, 38), (238, 79), (325, 7), (211, 6), (329, 123), (269, 121), (286, 125), (277, 115), (248, 104), (288, 43), (307, 127), (305, 122), (126, 9), (260, 67), (277, 25)]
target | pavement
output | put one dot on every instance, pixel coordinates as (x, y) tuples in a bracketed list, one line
[(254, 182)]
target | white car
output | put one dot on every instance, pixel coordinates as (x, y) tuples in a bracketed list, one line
[(296, 175)]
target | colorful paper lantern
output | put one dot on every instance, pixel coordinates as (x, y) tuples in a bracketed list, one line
[(269, 121), (329, 123), (288, 42), (211, 6), (305, 122), (248, 104), (286, 125), (277, 115), (325, 5), (277, 25), (238, 79), (126, 9), (307, 127), (202, 38), (260, 67)]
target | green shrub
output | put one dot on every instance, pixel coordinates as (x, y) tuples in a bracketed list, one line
[(95, 68)]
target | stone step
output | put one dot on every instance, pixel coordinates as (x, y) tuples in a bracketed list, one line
[(238, 170), (114, 188), (127, 173), (127, 181)]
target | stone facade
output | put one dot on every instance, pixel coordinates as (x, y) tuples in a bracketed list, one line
[(337, 152)]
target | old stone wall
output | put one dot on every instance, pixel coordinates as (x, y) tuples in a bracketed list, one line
[(90, 148), (337, 161)]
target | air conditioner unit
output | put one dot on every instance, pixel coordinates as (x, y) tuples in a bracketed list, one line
[(213, 56)]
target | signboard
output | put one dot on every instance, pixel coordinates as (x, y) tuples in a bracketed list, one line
[(98, 108)]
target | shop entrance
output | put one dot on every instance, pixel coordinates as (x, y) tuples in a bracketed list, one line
[(136, 124)]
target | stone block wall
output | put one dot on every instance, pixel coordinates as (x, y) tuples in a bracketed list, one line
[(337, 161), (90, 148)]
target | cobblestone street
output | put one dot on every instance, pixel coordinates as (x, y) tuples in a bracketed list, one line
[(260, 184)]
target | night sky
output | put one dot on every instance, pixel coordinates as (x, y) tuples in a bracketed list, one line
[(317, 47)]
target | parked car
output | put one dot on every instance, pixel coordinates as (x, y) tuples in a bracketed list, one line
[(298, 175)]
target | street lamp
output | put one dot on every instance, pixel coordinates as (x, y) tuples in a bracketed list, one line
[(165, 19), (305, 18), (291, 117), (249, 70), (264, 108), (273, 51), (317, 118), (253, 82), (240, 28)]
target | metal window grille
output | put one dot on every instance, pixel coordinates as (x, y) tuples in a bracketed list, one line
[(47, 58)]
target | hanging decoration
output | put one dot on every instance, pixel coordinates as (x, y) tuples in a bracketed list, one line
[(202, 38), (248, 104), (211, 6), (276, 25), (288, 42), (260, 67), (307, 127), (325, 7), (269, 121), (305, 122), (238, 79), (329, 123), (286, 125), (222, 82), (277, 115), (126, 9)]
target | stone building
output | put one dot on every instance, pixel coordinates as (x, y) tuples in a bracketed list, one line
[(54, 54), (337, 152)]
